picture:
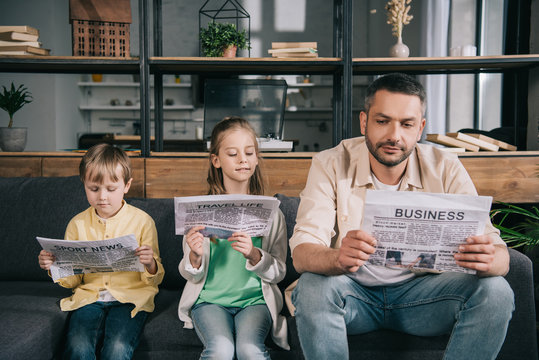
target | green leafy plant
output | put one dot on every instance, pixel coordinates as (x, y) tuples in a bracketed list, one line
[(218, 36), (525, 233), (13, 100)]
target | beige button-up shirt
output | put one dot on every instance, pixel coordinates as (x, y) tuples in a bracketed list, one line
[(332, 202), (138, 288)]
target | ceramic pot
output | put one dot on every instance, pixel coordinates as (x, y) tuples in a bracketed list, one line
[(13, 139), (399, 49), (97, 77), (230, 51)]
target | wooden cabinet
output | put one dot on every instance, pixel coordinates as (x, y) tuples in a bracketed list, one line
[(506, 176)]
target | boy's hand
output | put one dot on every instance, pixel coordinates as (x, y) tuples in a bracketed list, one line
[(242, 242), (195, 239), (145, 255), (45, 260)]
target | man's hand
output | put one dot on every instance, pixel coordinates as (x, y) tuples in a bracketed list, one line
[(356, 248), (479, 253)]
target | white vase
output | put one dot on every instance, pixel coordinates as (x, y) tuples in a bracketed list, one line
[(399, 49), (13, 139)]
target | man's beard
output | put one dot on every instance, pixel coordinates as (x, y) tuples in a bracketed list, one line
[(379, 157)]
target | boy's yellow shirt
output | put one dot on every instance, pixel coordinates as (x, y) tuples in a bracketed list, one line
[(127, 287)]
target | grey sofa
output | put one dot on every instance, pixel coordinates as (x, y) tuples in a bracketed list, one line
[(33, 326)]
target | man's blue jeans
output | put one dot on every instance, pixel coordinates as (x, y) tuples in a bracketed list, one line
[(225, 329), (110, 321), (475, 311)]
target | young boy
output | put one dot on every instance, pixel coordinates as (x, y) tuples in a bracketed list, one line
[(109, 306)]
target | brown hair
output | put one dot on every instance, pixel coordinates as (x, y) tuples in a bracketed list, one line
[(215, 175), (396, 83), (102, 160)]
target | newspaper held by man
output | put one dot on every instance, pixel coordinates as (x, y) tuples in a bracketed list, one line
[(422, 231), (223, 215), (73, 257)]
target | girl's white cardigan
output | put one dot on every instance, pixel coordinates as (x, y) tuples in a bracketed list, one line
[(271, 269)]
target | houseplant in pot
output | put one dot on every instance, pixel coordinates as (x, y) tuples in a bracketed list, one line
[(519, 228), (222, 39), (12, 100)]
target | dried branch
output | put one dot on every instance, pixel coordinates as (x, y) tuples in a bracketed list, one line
[(397, 15)]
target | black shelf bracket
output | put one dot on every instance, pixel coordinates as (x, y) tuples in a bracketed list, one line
[(144, 68), (158, 77)]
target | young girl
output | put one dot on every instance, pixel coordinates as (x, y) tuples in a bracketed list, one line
[(231, 295)]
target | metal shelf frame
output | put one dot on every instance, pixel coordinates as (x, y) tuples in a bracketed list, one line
[(342, 66)]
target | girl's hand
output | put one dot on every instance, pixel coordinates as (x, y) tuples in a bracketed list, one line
[(242, 242), (195, 240), (145, 255), (45, 260)]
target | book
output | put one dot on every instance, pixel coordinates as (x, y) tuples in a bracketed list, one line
[(484, 145), (501, 144), (19, 28), (8, 50), (294, 55), (294, 50), (17, 36), (452, 142), (453, 149), (288, 45), (18, 52), (17, 43)]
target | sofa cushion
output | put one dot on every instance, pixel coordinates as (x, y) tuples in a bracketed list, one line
[(165, 322), (289, 207), (170, 244), (33, 325), (31, 207), (173, 341)]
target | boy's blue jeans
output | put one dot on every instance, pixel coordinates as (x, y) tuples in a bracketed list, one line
[(110, 320), (228, 330), (475, 311)]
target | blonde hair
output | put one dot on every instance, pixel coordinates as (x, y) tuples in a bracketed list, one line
[(215, 175), (102, 160)]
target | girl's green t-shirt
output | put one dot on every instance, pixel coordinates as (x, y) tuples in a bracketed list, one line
[(228, 282)]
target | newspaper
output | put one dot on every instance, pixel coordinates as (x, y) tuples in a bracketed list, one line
[(82, 257), (222, 215), (422, 231)]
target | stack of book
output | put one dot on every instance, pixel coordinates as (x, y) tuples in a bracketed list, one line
[(293, 50), (20, 40), (459, 141)]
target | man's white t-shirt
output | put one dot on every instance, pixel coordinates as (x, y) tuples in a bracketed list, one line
[(375, 275)]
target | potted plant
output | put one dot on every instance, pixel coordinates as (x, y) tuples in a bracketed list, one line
[(12, 100), (398, 16), (525, 232), (222, 39)]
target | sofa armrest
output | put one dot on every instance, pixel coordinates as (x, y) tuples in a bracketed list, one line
[(521, 339)]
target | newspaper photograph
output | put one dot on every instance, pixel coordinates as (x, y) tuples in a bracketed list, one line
[(223, 215), (422, 231), (75, 257)]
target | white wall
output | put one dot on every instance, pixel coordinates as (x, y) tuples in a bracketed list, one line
[(52, 118)]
